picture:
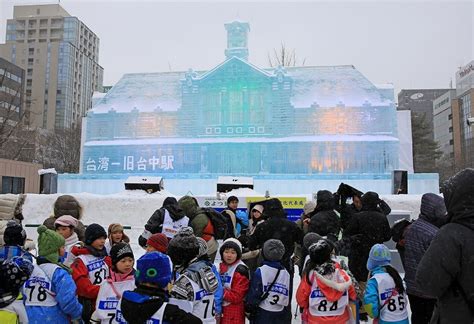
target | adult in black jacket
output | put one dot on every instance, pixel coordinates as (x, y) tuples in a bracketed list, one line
[(374, 227), (324, 220), (155, 223), (277, 226), (446, 271)]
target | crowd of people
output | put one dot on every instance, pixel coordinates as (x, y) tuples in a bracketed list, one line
[(87, 274)]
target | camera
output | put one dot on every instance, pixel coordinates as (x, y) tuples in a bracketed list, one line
[(470, 121)]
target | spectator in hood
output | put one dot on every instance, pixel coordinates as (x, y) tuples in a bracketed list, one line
[(375, 229), (446, 271), (417, 240), (169, 219), (324, 220), (201, 224), (67, 205)]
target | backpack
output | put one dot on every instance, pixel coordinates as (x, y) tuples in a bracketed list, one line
[(219, 223), (399, 230)]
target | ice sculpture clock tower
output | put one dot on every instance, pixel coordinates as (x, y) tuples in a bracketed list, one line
[(237, 35)]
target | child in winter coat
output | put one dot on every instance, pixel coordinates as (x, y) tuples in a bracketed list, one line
[(218, 294), (65, 226), (13, 273), (91, 267), (325, 290), (121, 279), (235, 279), (148, 302), (115, 235), (14, 238), (50, 292), (268, 297), (385, 298), (195, 282)]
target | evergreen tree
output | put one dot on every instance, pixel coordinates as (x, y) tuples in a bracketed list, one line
[(425, 149)]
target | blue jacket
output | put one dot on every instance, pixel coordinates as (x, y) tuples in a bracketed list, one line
[(219, 293), (371, 299), (9, 251), (253, 299), (243, 218), (67, 307)]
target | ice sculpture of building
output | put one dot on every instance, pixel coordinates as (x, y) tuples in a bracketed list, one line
[(240, 119)]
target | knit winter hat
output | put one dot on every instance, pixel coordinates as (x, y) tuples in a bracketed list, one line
[(273, 250), (258, 208), (14, 234), (119, 251), (159, 241), (49, 243), (93, 232), (311, 238), (186, 230), (233, 244), (153, 267), (183, 248), (309, 207), (379, 255), (13, 273), (66, 220), (320, 251), (202, 246)]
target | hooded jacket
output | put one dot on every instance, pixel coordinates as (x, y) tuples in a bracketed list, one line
[(139, 305), (324, 219), (374, 227), (446, 271), (155, 222), (333, 289), (419, 236), (199, 222)]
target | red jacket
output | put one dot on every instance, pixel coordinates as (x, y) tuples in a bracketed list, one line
[(330, 292), (80, 274), (235, 311)]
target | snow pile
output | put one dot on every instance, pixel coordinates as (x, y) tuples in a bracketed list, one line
[(399, 203), (242, 192), (131, 208)]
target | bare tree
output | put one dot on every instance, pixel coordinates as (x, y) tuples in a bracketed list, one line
[(60, 149), (16, 142), (283, 57)]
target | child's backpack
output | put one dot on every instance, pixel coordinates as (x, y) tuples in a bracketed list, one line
[(219, 223)]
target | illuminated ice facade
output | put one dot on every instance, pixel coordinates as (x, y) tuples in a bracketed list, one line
[(239, 119)]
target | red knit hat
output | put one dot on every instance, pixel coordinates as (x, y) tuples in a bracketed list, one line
[(159, 241)]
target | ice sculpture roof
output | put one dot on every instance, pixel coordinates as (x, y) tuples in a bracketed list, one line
[(323, 86)]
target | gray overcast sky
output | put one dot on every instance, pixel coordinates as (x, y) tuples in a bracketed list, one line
[(412, 44)]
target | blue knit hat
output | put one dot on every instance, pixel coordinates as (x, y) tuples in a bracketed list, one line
[(379, 255), (153, 267)]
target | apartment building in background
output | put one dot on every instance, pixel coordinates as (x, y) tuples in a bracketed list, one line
[(60, 57), (464, 107), (12, 86)]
